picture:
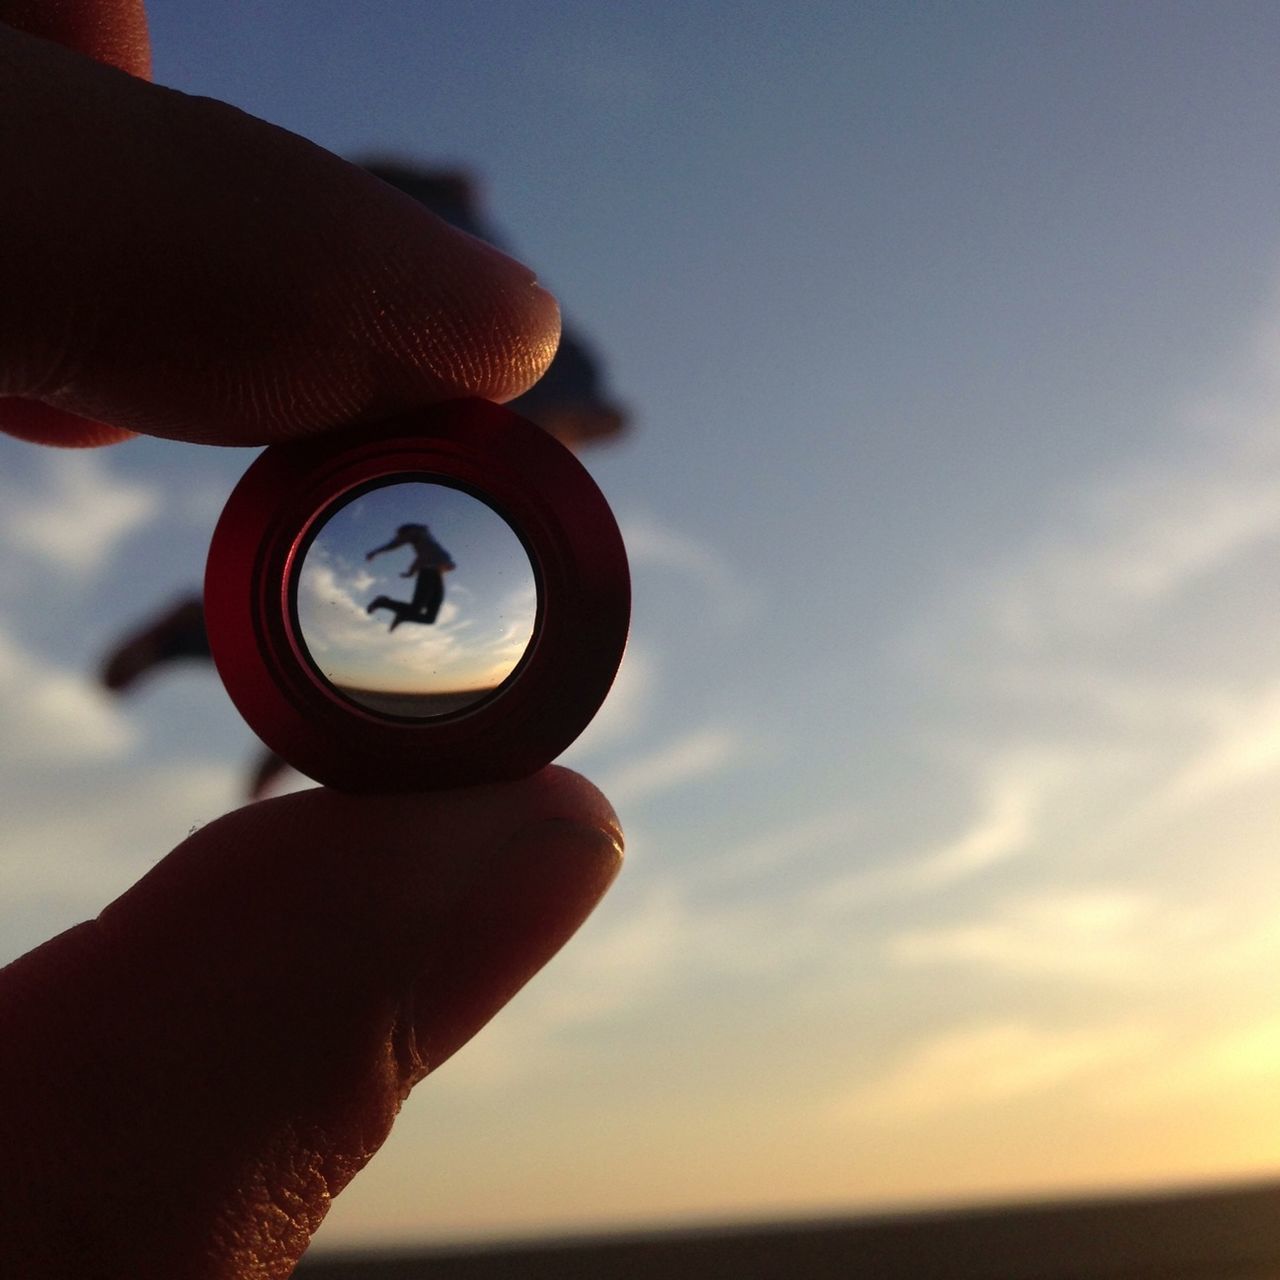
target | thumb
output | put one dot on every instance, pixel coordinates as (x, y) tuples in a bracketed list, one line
[(198, 1071)]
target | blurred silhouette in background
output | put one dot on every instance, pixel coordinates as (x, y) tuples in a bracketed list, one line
[(569, 401)]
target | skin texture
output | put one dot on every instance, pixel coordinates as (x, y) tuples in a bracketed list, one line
[(363, 303), (186, 1081)]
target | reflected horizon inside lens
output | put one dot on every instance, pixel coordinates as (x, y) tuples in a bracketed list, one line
[(415, 599)]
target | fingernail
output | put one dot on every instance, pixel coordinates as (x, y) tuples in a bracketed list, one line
[(564, 842), (556, 863), (483, 249), (539, 888)]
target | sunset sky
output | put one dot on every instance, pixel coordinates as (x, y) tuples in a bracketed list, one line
[(948, 739)]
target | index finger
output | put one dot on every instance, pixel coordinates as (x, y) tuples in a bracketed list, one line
[(176, 267)]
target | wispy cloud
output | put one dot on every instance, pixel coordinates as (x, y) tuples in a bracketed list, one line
[(1136, 541), (687, 759), (1012, 793), (1081, 645), (648, 542), (53, 715), (1116, 550), (62, 861), (786, 846), (1101, 935), (75, 519), (1002, 830), (1236, 1061), (987, 1066), (1244, 749)]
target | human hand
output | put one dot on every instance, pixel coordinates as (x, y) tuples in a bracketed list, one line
[(188, 1079)]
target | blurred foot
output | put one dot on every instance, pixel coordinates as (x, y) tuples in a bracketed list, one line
[(570, 401), (577, 424), (268, 769), (177, 633)]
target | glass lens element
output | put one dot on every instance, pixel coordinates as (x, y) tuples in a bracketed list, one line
[(415, 599)]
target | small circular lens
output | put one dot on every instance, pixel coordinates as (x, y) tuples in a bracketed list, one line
[(439, 600), (415, 599)]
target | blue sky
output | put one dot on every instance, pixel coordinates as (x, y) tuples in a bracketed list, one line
[(949, 734)]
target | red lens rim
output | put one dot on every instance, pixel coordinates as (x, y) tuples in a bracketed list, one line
[(580, 629)]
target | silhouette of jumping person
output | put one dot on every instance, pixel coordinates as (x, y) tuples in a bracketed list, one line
[(430, 563)]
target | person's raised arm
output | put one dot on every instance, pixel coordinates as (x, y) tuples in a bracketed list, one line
[(398, 541)]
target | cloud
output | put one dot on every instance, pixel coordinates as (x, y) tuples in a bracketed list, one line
[(785, 846), (78, 516), (54, 715), (677, 763), (989, 1066), (1134, 542), (1103, 935), (650, 543), (1111, 682), (1002, 830), (122, 822), (1111, 570), (1244, 749), (1227, 1062), (1081, 685), (77, 836), (1011, 796)]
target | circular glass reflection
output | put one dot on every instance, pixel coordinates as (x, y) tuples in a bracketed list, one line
[(415, 599)]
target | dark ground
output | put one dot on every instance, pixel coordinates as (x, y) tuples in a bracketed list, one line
[(1229, 1234)]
